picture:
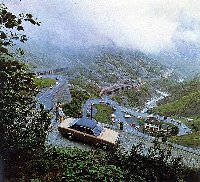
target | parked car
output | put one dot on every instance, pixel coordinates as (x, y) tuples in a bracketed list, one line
[(88, 131)]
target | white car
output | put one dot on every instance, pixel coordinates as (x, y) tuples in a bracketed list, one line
[(127, 116)]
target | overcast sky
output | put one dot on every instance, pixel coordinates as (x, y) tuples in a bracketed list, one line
[(148, 25)]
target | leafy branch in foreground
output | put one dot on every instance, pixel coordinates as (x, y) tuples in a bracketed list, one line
[(21, 125), (23, 128), (67, 164), (11, 29)]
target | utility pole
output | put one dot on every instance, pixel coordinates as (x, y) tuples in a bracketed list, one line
[(91, 112)]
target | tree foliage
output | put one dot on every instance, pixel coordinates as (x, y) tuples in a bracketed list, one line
[(22, 127), (65, 164), (73, 108), (11, 28)]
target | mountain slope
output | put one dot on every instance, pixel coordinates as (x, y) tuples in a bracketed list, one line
[(108, 65), (104, 67)]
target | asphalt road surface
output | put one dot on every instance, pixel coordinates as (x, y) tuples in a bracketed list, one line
[(47, 95)]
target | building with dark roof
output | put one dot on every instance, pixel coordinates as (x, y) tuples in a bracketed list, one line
[(90, 126)]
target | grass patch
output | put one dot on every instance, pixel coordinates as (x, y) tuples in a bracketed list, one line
[(103, 113), (44, 82), (194, 124), (181, 109), (189, 140), (185, 106)]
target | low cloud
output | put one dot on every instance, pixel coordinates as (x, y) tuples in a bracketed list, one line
[(150, 26)]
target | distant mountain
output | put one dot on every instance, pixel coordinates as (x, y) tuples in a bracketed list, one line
[(103, 65), (185, 59), (114, 64)]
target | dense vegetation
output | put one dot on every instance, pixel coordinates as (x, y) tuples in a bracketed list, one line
[(81, 90), (74, 108), (86, 85), (44, 82), (22, 126), (64, 164)]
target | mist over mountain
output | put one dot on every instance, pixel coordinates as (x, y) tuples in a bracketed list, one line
[(185, 59), (168, 31)]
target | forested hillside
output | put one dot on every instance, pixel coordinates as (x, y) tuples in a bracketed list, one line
[(184, 99), (184, 104)]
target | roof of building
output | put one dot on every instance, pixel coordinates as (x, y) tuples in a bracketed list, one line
[(89, 123)]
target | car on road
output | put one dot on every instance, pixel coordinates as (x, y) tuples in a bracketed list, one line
[(88, 131), (127, 116)]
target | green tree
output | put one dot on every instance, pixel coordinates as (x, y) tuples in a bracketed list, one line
[(157, 164), (73, 108), (11, 29), (174, 130), (22, 127)]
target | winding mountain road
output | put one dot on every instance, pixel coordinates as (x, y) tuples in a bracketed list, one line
[(128, 137), (47, 95)]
